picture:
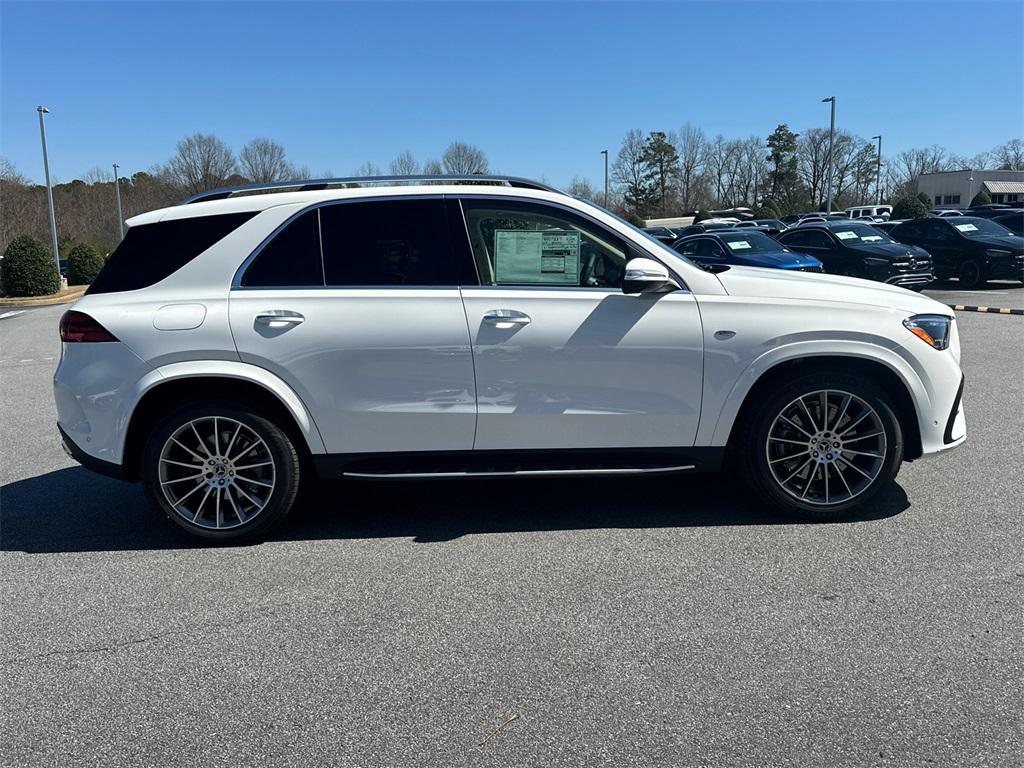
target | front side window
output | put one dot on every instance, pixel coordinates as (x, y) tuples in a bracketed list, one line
[(526, 244), (816, 239)]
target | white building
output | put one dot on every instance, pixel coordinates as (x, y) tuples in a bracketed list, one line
[(956, 189)]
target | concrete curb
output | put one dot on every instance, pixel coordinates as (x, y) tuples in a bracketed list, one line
[(14, 302), (989, 310)]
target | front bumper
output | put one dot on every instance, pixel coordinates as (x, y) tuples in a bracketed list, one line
[(911, 279)]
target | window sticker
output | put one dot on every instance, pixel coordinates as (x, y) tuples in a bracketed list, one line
[(966, 227), (548, 257), (846, 235), (871, 238), (738, 245)]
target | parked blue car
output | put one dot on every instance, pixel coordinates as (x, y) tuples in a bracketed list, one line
[(743, 247)]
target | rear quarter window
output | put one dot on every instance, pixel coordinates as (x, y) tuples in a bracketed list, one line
[(150, 253)]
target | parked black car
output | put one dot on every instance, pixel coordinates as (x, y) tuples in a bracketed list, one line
[(664, 234), (988, 211), (774, 225), (1012, 221), (696, 229), (969, 248), (859, 250), (887, 226)]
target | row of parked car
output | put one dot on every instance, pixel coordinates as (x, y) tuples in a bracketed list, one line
[(972, 246)]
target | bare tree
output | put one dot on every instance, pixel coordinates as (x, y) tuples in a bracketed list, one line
[(1009, 156), (692, 146), (433, 168), (404, 165), (582, 188), (263, 160), (369, 168), (464, 159), (201, 162), (629, 172)]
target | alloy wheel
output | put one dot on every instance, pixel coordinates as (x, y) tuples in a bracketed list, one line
[(216, 472), (826, 447)]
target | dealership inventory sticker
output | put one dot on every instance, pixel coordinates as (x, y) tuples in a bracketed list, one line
[(525, 257), (738, 245), (966, 227), (846, 235)]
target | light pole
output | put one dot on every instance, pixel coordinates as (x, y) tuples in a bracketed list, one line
[(605, 153), (49, 189), (831, 140), (117, 196), (878, 172)]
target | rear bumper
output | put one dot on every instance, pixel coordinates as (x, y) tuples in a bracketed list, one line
[(107, 468)]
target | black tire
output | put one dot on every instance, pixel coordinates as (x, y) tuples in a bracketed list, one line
[(284, 473), (971, 274), (756, 452)]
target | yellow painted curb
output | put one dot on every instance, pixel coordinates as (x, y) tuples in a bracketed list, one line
[(64, 297)]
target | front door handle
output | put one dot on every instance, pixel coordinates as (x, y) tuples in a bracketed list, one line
[(279, 318), (506, 318)]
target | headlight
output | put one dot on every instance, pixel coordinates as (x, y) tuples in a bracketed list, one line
[(997, 252), (932, 329)]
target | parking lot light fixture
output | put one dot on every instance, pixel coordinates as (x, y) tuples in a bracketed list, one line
[(605, 153), (49, 189), (117, 196), (878, 172), (831, 142)]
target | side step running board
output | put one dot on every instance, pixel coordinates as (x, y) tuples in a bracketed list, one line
[(521, 473)]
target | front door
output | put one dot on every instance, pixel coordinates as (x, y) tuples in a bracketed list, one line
[(357, 307), (563, 358)]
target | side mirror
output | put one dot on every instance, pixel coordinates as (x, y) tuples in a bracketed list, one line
[(646, 276)]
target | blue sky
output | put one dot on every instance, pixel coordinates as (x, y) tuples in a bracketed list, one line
[(541, 87)]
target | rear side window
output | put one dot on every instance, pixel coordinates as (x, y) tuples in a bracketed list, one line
[(390, 242), (292, 258), (151, 252)]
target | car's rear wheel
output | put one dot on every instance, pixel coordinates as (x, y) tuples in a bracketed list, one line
[(221, 472), (970, 274), (822, 445)]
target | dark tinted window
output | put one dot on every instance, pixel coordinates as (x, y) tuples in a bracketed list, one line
[(390, 242), (909, 231), (793, 239), (291, 258), (817, 239), (151, 252)]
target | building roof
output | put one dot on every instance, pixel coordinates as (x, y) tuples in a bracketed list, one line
[(1005, 187)]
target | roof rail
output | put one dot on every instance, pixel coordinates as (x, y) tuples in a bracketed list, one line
[(303, 185)]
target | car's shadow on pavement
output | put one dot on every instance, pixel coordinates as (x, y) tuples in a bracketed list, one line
[(74, 510)]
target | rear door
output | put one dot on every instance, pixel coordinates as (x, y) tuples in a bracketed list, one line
[(356, 306), (944, 244), (563, 358)]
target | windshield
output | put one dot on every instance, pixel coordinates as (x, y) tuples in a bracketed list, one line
[(860, 234), (980, 228), (750, 242)]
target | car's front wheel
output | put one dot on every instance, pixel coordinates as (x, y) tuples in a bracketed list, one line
[(971, 275), (822, 445), (221, 472)]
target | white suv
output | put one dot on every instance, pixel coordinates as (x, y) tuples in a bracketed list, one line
[(237, 344)]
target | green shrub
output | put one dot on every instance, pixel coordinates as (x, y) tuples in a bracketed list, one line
[(702, 214), (84, 263), (767, 211), (981, 198), (28, 269), (909, 208), (925, 198)]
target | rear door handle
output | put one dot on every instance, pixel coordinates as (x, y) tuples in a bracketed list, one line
[(506, 318), (279, 318)]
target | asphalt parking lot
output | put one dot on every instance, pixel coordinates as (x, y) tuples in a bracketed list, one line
[(667, 622)]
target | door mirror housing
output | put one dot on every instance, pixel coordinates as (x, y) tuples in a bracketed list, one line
[(647, 276)]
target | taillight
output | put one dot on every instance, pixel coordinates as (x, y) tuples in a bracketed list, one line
[(78, 326)]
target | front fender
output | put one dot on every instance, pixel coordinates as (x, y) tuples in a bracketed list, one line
[(716, 427)]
